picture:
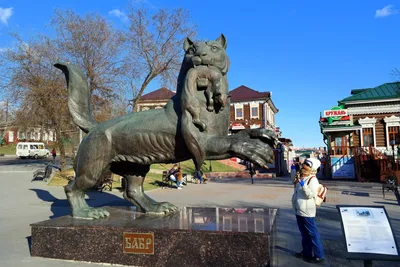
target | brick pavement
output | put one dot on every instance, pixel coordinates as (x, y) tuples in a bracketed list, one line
[(24, 202), (276, 193)]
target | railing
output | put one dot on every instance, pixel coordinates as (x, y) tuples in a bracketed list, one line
[(341, 150)]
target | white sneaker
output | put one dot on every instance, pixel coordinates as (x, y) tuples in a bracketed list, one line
[(179, 188)]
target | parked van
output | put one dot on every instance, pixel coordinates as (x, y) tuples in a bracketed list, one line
[(32, 150)]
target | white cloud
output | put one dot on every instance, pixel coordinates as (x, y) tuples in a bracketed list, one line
[(386, 11), (118, 13), (5, 14)]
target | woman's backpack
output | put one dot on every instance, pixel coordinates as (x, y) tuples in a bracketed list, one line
[(321, 193)]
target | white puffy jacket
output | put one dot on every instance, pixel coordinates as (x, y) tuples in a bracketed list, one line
[(303, 198)]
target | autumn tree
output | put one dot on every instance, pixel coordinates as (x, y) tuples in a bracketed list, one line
[(154, 43), (37, 88), (92, 43)]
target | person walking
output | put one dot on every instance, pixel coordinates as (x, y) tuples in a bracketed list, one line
[(54, 155), (293, 171), (252, 171), (306, 187)]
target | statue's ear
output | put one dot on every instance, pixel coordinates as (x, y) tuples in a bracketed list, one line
[(187, 43), (222, 41)]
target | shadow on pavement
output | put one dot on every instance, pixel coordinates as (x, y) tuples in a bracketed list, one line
[(60, 207), (386, 203)]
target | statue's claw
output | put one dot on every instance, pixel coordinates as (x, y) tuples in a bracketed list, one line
[(161, 208), (265, 135), (90, 213)]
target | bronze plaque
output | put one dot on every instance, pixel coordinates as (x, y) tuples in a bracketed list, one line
[(138, 243)]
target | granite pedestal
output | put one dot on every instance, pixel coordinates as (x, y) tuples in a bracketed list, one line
[(191, 237)]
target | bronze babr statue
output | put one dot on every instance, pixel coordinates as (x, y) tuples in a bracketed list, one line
[(193, 125)]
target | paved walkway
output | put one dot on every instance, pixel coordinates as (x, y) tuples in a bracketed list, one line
[(24, 202)]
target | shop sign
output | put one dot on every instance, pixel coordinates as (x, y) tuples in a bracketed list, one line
[(335, 113)]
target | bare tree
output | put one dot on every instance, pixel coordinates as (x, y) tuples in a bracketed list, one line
[(396, 74), (35, 86), (92, 43), (154, 43)]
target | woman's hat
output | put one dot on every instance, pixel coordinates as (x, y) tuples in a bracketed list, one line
[(313, 163)]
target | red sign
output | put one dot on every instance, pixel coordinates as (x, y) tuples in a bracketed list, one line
[(335, 113), (138, 243)]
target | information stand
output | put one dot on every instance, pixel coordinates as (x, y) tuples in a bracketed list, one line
[(368, 234)]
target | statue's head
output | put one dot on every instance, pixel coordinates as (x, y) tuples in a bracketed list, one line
[(208, 53)]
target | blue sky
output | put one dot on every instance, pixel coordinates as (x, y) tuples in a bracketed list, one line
[(309, 54)]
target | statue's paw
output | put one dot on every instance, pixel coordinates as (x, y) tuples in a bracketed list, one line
[(254, 150), (161, 208), (201, 125), (90, 213), (265, 135)]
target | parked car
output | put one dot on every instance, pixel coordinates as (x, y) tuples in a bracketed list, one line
[(32, 150)]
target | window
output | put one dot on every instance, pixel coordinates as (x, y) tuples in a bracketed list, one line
[(368, 136), (239, 113), (340, 147), (254, 112), (19, 146), (394, 131)]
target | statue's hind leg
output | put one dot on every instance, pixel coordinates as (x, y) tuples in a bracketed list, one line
[(134, 193), (75, 192)]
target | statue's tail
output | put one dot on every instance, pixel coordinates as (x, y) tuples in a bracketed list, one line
[(78, 96)]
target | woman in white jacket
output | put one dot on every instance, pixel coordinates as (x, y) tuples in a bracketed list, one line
[(305, 190)]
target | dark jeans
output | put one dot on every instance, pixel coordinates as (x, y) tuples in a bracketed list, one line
[(199, 176), (311, 240)]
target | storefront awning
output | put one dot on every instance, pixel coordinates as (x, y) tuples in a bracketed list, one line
[(341, 129)]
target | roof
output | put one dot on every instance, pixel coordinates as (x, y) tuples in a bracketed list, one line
[(384, 91), (160, 94), (245, 93), (356, 91)]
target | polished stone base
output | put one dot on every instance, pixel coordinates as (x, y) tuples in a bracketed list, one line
[(191, 237)]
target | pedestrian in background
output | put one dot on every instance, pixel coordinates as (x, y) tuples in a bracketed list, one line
[(252, 171), (293, 171), (54, 155), (303, 203)]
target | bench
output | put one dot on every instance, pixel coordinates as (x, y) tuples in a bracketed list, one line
[(44, 174), (390, 184), (165, 180), (105, 184)]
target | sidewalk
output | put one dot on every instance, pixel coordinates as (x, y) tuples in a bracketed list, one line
[(25, 203)]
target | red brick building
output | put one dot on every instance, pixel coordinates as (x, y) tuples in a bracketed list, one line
[(249, 108), (155, 99), (252, 109)]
